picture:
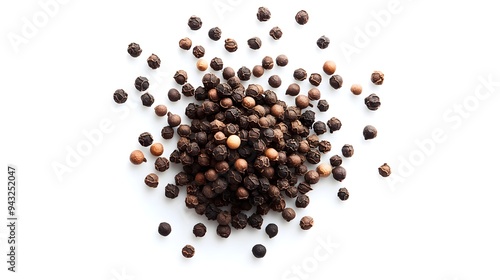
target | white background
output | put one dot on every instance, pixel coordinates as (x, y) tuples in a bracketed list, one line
[(99, 220)]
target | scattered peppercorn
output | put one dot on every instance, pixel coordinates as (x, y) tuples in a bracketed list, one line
[(134, 49), (372, 102), (288, 214), (145, 139), (199, 230), (154, 61), (120, 96), (276, 33), (185, 43), (258, 71), (171, 191), (161, 110), (267, 63), (194, 23), (201, 64), (215, 33), (300, 74), (377, 77), (271, 230), (141, 83), (315, 79), (137, 157), (302, 17), (199, 51), (263, 14), (164, 229), (306, 222), (173, 95), (274, 81), (336, 81), (188, 251), (339, 173), (356, 89), (323, 42), (369, 132), (293, 89), (230, 45), (329, 67), (254, 43), (259, 251), (347, 150), (343, 194), (384, 170), (180, 77), (282, 60), (151, 180), (156, 149), (335, 160), (162, 164), (324, 169), (323, 105)]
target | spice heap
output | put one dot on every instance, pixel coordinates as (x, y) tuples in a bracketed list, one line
[(244, 150)]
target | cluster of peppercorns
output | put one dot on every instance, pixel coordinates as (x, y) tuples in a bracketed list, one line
[(245, 150)]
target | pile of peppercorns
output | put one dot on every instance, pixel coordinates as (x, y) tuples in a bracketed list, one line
[(244, 149)]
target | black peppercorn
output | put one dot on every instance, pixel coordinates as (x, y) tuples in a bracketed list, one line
[(369, 132), (336, 81), (254, 43), (263, 14), (311, 177), (180, 77), (223, 231), (372, 102), (188, 251), (216, 63), (334, 124), (347, 150), (288, 214), (339, 173), (194, 23), (271, 230), (120, 96), (315, 79), (319, 127), (377, 77), (185, 43), (268, 63), (300, 74), (215, 33), (199, 230), (275, 33), (282, 60), (324, 146), (259, 251), (134, 49), (302, 201), (244, 73), (302, 17), (171, 191), (145, 139), (335, 160), (167, 132), (141, 83), (147, 99), (151, 180), (274, 81), (323, 105), (162, 164), (255, 220), (154, 61), (306, 222), (230, 45), (343, 194), (173, 95), (323, 42), (164, 229)]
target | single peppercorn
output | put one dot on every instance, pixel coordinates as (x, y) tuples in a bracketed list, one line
[(324, 146), (263, 14), (324, 169), (271, 230), (185, 43), (323, 105), (145, 139), (199, 230), (162, 164), (267, 63), (282, 60), (302, 17), (336, 81), (147, 99), (347, 150), (216, 63), (244, 73), (233, 142), (201, 64), (195, 23), (199, 51), (274, 81), (323, 42), (167, 132), (137, 157), (302, 201), (293, 89), (314, 94), (154, 61), (369, 132), (255, 220), (258, 71), (254, 43), (161, 110), (151, 180), (215, 33), (259, 251), (343, 194), (302, 101), (120, 96), (164, 229), (230, 45), (156, 149), (188, 251), (329, 67), (180, 77), (377, 77), (171, 191), (223, 231), (335, 160), (311, 177), (299, 74), (384, 170), (173, 95), (319, 127), (173, 120), (134, 49), (334, 124), (356, 89), (339, 173), (372, 102), (141, 83), (276, 33), (306, 222), (288, 214)]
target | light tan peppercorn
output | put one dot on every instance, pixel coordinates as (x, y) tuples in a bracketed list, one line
[(202, 65), (329, 67), (356, 89), (324, 169), (137, 157), (161, 110), (233, 142), (156, 149), (272, 154), (241, 165)]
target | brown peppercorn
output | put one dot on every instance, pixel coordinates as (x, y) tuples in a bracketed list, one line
[(302, 17), (288, 214), (302, 201), (369, 132), (134, 49), (242, 193), (347, 150), (147, 99), (228, 72), (241, 165), (282, 60), (154, 61), (329, 67), (372, 102), (384, 170), (339, 173), (171, 191), (215, 33), (336, 81), (223, 231), (248, 102), (188, 251), (299, 74), (274, 81), (267, 63), (302, 101), (323, 105), (167, 132), (324, 146), (254, 43), (276, 33), (314, 94), (216, 63), (151, 180), (306, 222), (333, 124), (173, 95), (263, 14), (145, 139), (356, 89), (244, 73), (156, 149), (162, 164), (185, 43), (161, 110), (311, 177), (224, 218), (137, 157), (293, 89), (377, 77), (173, 119), (272, 154), (324, 169), (315, 79), (343, 194), (230, 45), (199, 51), (201, 64), (180, 77), (258, 71), (335, 160), (199, 230)]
